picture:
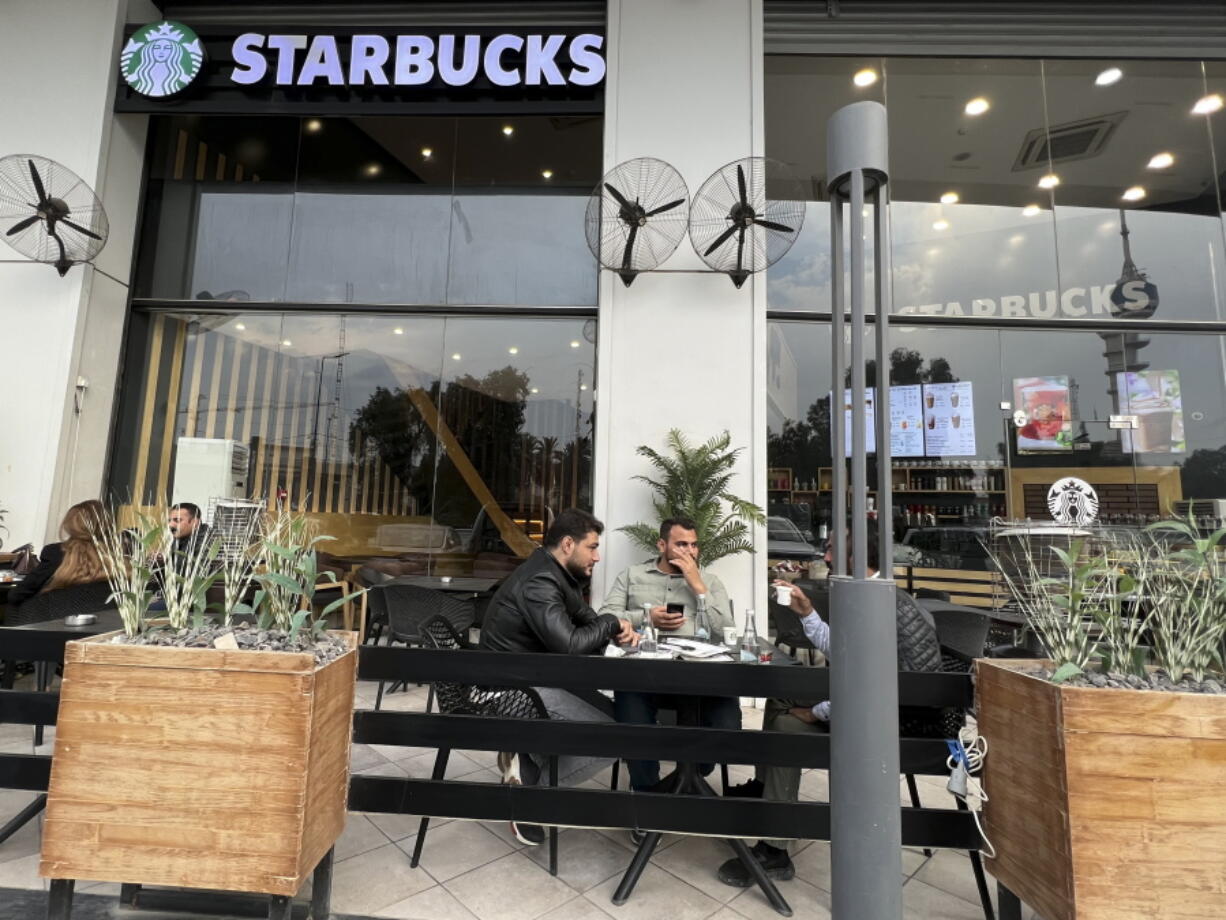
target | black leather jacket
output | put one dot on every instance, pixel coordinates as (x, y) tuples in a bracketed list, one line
[(539, 609)]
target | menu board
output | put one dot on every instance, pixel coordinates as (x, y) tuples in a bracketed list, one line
[(1156, 400), (870, 421), (1045, 400), (949, 419), (906, 421)]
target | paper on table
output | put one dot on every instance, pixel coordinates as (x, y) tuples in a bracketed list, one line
[(693, 649)]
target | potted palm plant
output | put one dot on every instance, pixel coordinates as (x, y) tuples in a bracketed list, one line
[(195, 750), (1104, 776), (693, 481)]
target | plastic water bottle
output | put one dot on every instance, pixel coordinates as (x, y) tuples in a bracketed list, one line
[(749, 640), (702, 622)]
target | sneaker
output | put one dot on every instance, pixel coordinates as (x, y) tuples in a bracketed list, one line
[(750, 789), (531, 834), (776, 862), (508, 766)]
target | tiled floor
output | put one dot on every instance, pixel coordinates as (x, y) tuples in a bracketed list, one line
[(476, 871)]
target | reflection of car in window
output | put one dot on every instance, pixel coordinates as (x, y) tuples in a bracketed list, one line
[(947, 547), (785, 541)]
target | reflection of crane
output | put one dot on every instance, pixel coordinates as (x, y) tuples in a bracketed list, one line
[(334, 411), (1122, 349)]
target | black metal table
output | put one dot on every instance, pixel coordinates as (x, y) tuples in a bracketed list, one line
[(687, 780)]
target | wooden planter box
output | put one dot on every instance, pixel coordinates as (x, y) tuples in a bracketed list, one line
[(199, 768), (1104, 803)]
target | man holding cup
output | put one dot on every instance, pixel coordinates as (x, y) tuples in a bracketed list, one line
[(665, 591)]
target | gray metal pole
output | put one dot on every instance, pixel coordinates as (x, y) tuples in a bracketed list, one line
[(866, 837), (838, 370), (882, 282)]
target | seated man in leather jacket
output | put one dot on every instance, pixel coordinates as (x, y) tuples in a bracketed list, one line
[(540, 608), (918, 650)]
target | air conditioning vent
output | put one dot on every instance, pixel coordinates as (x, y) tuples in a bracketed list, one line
[(1075, 140)]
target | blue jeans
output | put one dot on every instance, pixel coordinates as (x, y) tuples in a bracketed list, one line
[(641, 709)]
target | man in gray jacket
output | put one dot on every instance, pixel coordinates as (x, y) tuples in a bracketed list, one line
[(673, 577)]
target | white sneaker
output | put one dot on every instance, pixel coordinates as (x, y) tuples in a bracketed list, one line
[(508, 765)]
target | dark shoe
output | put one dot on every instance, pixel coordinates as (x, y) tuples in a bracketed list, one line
[(750, 789), (776, 862), (531, 834)]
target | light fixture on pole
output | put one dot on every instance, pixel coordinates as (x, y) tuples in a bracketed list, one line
[(866, 827)]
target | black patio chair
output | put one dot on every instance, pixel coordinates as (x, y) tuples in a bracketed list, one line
[(469, 700), (408, 608)]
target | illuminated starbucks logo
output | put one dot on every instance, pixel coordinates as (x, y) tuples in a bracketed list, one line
[(161, 59)]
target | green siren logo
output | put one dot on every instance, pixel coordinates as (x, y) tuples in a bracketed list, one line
[(161, 59)]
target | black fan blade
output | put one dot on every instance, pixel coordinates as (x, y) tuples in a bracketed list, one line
[(21, 225), (665, 207), (38, 183), (771, 225), (740, 249), (720, 240), (79, 228), (618, 195), (740, 181), (634, 231)]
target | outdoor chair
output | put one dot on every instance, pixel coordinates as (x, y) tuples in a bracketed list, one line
[(407, 608), (468, 700), (62, 602)]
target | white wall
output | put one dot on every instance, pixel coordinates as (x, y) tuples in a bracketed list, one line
[(681, 350), (55, 329)]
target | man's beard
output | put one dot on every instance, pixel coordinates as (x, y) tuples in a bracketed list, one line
[(577, 570)]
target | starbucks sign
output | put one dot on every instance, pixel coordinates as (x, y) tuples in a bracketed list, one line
[(161, 59)]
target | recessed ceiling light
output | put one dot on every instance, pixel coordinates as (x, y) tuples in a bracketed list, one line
[(535, 390), (1207, 105), (313, 126), (372, 169), (949, 198), (977, 106), (546, 173), (1136, 193), (427, 152), (456, 356), (1031, 210), (941, 225), (1109, 76), (286, 342), (398, 331), (865, 77), (1160, 161), (513, 350), (574, 344), (1051, 180), (508, 130), (583, 386), (239, 326)]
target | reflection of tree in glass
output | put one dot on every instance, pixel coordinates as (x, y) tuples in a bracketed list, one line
[(1204, 473)]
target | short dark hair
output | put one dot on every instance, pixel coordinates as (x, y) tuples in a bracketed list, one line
[(189, 507), (667, 525), (571, 523)]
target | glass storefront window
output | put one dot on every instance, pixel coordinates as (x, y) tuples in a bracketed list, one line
[(406, 436), (378, 210)]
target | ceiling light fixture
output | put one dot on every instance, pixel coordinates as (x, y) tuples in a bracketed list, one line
[(286, 343), (546, 173), (574, 344), (535, 390), (1160, 161), (1136, 193), (1051, 180), (372, 169), (583, 386), (1109, 76), (427, 152), (456, 356), (1031, 210), (949, 198), (508, 130), (1207, 105), (313, 126), (977, 106), (865, 77), (941, 225), (398, 331), (513, 350), (239, 326)]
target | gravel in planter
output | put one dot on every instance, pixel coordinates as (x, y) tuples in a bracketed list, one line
[(325, 648), (1157, 680)]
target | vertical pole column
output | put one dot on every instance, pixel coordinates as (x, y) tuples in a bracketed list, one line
[(881, 280), (838, 370), (859, 447)]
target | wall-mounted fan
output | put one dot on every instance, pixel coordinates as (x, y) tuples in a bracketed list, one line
[(636, 217), (48, 213), (746, 216)]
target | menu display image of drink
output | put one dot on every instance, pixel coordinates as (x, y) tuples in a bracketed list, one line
[(1156, 400), (906, 421), (949, 419)]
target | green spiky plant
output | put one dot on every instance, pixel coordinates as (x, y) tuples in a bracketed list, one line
[(1188, 593), (693, 481), (126, 555)]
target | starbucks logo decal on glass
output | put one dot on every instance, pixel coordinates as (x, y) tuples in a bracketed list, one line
[(161, 59), (1072, 501)]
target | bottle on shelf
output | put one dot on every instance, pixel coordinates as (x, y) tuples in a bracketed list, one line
[(702, 622)]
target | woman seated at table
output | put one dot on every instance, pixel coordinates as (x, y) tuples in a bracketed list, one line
[(67, 564)]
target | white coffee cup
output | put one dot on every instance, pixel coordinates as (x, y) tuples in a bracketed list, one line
[(783, 594)]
